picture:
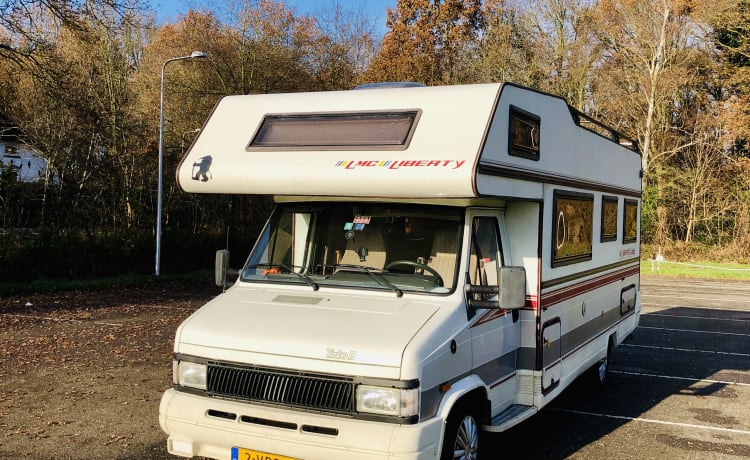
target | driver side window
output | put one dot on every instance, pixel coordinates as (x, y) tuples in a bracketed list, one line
[(486, 256)]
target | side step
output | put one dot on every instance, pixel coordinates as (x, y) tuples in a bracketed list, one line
[(511, 416)]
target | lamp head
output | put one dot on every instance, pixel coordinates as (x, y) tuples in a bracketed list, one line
[(198, 54)]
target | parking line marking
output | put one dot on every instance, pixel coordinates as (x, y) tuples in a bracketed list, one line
[(693, 298), (661, 306), (672, 377), (650, 420), (703, 318), (693, 330), (686, 349)]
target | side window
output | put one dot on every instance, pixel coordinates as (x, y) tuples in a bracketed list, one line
[(609, 218), (303, 226), (280, 245), (572, 228), (486, 256), (523, 134), (288, 244), (630, 225)]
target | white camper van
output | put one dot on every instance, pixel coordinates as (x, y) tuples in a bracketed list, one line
[(441, 262)]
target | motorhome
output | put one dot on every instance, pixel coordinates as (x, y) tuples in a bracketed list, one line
[(441, 262)]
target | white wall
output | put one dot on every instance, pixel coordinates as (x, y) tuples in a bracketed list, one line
[(29, 166)]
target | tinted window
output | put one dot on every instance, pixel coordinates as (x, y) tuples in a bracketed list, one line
[(572, 228), (523, 137), (335, 131)]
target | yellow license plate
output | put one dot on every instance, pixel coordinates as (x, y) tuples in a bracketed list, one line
[(239, 453)]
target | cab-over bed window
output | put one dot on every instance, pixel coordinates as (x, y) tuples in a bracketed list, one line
[(524, 134)]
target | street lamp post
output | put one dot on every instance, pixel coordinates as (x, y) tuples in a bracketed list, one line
[(193, 55)]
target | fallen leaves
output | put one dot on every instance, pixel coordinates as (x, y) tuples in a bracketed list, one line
[(85, 370)]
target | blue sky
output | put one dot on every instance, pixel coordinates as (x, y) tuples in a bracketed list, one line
[(168, 10)]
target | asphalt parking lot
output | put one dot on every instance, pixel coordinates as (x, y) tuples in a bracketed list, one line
[(679, 387), (83, 374)]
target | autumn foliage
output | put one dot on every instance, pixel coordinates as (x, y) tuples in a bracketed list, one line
[(80, 83)]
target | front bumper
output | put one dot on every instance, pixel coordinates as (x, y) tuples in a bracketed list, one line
[(201, 426)]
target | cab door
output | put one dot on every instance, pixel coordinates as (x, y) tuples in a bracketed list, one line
[(495, 333)]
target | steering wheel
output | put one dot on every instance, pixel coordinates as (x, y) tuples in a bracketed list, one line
[(411, 263)]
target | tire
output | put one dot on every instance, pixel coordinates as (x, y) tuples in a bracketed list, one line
[(461, 440)]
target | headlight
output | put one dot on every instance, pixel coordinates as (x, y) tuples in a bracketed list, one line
[(191, 375), (388, 401)]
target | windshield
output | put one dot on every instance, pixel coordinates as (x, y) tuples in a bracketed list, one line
[(396, 248)]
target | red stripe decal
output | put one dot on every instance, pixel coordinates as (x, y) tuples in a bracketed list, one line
[(554, 297), (490, 315)]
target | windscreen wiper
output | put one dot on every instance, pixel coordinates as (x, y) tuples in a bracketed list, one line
[(374, 275), (289, 269)]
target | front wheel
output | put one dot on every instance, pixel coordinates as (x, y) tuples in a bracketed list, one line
[(461, 440)]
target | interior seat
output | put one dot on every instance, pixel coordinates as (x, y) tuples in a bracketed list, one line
[(366, 248), (444, 254)]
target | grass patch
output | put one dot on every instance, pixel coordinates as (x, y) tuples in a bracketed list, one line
[(696, 270), (130, 280)]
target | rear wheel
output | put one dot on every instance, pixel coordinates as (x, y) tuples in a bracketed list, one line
[(461, 440)]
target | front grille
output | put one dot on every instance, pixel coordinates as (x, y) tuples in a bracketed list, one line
[(273, 386)]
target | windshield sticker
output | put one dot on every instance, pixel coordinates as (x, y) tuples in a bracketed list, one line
[(349, 235), (348, 226), (359, 227), (362, 219), (394, 164)]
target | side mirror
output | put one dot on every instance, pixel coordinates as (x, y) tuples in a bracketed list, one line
[(221, 265), (509, 294), (512, 288)]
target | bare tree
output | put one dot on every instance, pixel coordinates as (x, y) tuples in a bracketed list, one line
[(344, 45), (695, 186), (648, 49), (507, 48), (565, 44)]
